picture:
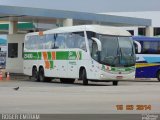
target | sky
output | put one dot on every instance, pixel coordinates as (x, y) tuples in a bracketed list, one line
[(92, 6)]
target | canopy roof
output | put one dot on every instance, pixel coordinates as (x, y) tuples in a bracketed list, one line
[(28, 14)]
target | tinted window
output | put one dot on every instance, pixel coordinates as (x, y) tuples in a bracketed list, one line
[(80, 41), (70, 40), (150, 47), (60, 41), (109, 48), (39, 42), (12, 50), (31, 42), (56, 41), (49, 41), (76, 40)]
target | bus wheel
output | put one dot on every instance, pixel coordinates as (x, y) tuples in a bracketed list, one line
[(158, 75), (115, 83), (67, 81), (35, 74), (84, 77), (41, 75)]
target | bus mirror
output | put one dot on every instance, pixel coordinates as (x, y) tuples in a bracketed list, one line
[(137, 47), (98, 43)]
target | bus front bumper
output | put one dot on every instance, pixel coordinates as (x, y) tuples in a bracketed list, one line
[(116, 76)]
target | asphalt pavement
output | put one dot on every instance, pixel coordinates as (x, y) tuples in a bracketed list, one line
[(97, 98)]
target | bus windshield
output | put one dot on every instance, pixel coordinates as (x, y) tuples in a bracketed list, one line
[(117, 51)]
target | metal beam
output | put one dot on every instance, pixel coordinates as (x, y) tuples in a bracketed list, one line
[(60, 14)]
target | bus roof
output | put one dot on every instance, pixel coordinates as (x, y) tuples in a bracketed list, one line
[(94, 28), (144, 38)]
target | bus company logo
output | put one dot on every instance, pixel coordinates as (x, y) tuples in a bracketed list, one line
[(149, 117), (71, 56), (28, 56)]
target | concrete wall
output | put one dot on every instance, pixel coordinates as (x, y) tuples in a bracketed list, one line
[(15, 65)]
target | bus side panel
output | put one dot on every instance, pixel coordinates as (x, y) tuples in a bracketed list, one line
[(28, 65), (147, 72), (84, 62), (59, 69), (93, 69), (147, 65)]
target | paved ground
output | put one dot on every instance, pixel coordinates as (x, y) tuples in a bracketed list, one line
[(36, 97)]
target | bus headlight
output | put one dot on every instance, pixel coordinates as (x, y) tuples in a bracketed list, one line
[(101, 76)]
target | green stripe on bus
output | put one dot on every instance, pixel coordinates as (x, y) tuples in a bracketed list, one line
[(39, 56), (60, 55), (49, 55), (122, 69), (31, 56), (51, 64)]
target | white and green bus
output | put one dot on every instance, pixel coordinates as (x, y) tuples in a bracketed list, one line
[(85, 52)]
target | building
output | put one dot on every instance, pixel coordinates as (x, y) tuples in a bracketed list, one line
[(140, 30)]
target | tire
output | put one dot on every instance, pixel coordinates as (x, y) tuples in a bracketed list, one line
[(84, 77), (158, 76), (115, 83), (41, 76), (67, 81), (35, 74)]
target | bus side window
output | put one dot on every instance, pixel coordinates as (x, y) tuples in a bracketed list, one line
[(70, 40), (34, 42), (80, 40), (60, 41), (150, 47), (27, 42), (49, 41), (41, 42)]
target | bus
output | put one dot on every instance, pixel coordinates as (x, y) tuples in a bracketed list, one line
[(84, 52), (148, 60)]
